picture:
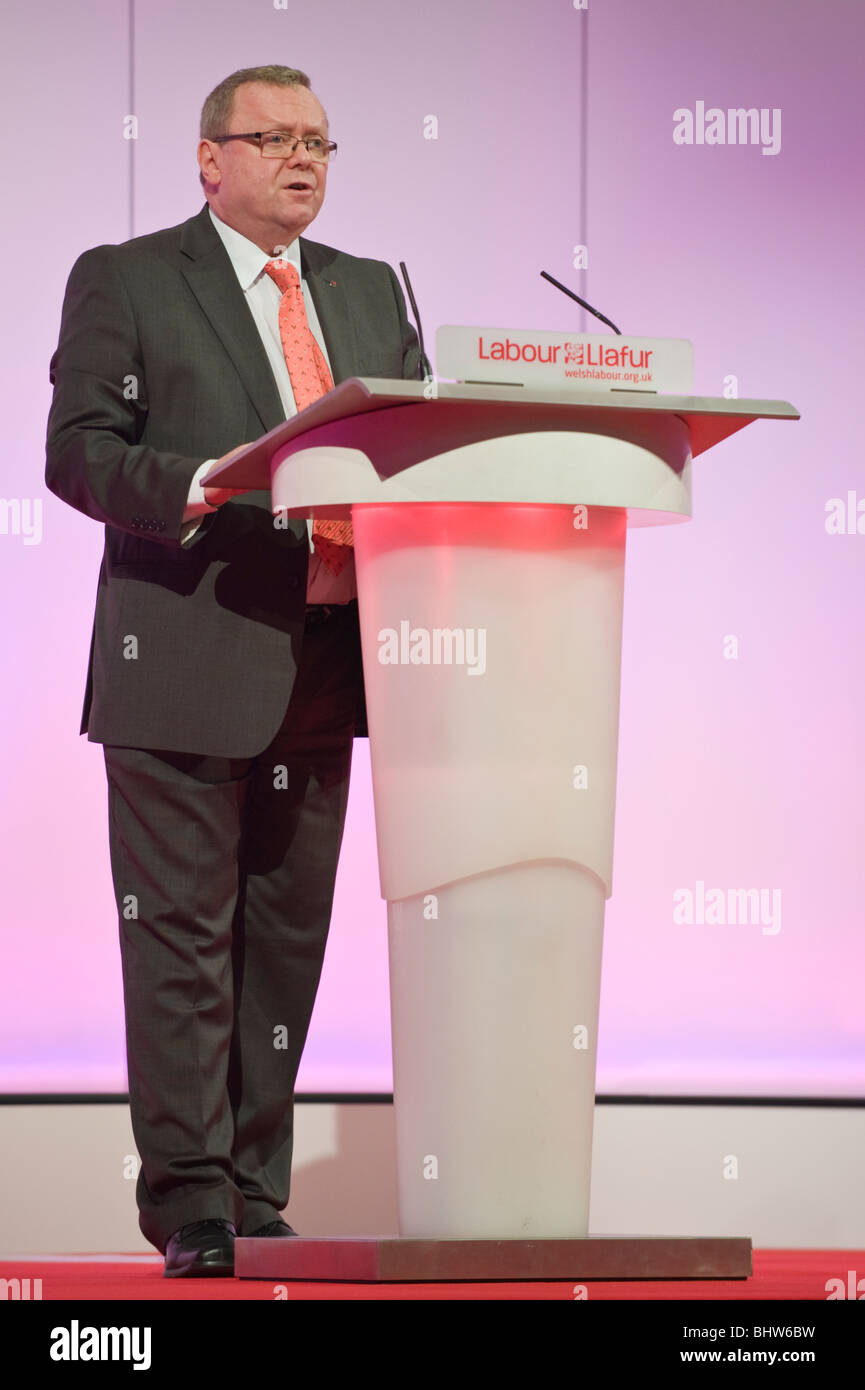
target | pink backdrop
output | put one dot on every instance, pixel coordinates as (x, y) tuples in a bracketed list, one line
[(555, 128)]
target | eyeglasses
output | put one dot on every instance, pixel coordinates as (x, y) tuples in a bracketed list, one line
[(278, 144)]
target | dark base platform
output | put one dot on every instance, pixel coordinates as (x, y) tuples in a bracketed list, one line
[(409, 1260)]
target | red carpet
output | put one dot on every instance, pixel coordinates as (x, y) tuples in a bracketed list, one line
[(778, 1274)]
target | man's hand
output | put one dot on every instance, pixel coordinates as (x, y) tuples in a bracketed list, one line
[(215, 496)]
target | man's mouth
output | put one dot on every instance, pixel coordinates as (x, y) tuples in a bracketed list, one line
[(301, 187)]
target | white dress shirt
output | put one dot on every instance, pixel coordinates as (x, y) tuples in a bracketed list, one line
[(264, 296)]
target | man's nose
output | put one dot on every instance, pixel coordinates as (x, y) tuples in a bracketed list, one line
[(300, 154)]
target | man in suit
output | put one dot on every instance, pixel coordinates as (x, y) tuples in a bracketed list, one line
[(225, 677)]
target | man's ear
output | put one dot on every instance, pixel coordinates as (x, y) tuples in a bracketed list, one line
[(210, 171)]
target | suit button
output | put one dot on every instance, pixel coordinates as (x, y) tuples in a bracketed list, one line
[(293, 581)]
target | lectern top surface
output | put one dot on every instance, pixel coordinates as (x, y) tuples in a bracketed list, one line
[(709, 419)]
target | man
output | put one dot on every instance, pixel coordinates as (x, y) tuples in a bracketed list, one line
[(225, 678)]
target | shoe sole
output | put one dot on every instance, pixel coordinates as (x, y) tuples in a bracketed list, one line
[(205, 1272)]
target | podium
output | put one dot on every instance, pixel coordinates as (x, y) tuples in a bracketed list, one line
[(490, 528)]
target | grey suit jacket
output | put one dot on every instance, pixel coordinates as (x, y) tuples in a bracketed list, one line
[(159, 366)]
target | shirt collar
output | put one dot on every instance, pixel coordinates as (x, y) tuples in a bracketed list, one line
[(248, 259)]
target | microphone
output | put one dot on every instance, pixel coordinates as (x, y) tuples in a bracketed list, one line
[(425, 371), (564, 289)]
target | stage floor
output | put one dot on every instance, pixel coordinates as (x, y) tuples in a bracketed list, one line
[(778, 1274)]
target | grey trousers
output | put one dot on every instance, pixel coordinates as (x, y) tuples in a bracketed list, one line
[(223, 873)]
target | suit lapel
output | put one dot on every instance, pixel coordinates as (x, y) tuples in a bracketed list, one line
[(320, 266), (210, 275)]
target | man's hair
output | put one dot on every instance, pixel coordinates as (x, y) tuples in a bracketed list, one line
[(218, 107)]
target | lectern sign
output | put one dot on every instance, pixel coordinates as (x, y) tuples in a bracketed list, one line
[(561, 361)]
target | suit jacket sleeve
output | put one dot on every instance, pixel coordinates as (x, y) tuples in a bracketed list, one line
[(94, 460)]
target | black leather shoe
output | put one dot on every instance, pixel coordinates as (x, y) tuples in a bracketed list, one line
[(200, 1249), (274, 1228)]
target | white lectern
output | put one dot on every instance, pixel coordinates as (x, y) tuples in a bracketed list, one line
[(490, 527)]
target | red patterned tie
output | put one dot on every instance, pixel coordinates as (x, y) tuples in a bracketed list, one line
[(310, 378)]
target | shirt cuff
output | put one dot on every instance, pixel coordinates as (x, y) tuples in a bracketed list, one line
[(196, 503)]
